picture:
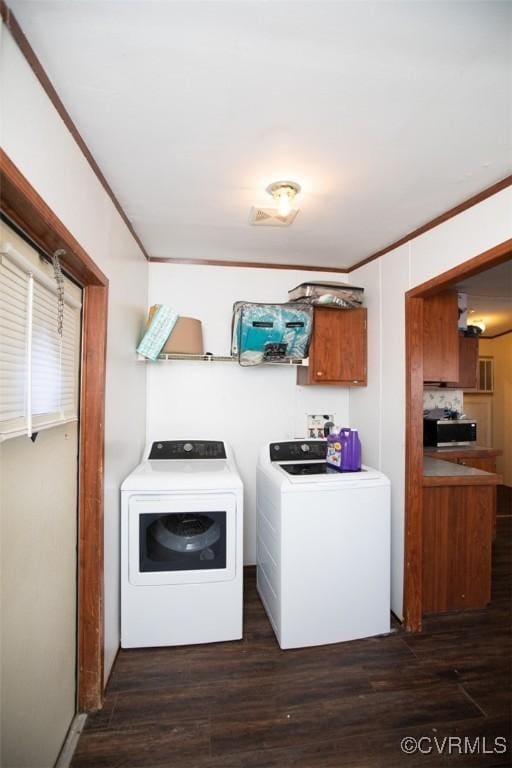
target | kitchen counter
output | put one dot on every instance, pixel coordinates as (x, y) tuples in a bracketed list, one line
[(445, 473)]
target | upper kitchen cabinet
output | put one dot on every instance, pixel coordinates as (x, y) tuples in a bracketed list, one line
[(337, 353), (441, 338), (468, 362)]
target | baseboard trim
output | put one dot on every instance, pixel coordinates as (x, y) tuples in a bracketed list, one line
[(71, 741)]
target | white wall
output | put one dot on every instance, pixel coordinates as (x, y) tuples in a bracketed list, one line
[(38, 595), (37, 141), (247, 407), (379, 410)]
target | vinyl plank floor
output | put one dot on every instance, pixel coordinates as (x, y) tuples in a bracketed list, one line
[(248, 704), (274, 726)]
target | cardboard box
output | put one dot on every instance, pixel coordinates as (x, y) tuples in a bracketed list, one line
[(186, 338)]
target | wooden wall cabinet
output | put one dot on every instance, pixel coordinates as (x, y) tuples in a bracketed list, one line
[(337, 353), (441, 338), (468, 362)]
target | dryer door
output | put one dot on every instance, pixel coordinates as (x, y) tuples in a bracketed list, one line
[(181, 539)]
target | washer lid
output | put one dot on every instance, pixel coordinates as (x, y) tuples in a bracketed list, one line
[(183, 475), (323, 477)]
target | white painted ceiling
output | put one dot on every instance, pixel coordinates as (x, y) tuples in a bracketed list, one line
[(387, 113), (490, 298)]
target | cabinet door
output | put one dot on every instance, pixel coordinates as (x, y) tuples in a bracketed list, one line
[(468, 362), (487, 464), (457, 539), (441, 337), (338, 348)]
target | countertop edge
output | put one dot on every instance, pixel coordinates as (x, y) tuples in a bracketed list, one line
[(445, 473)]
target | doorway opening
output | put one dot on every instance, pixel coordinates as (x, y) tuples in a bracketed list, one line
[(416, 360)]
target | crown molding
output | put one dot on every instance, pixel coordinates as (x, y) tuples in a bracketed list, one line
[(449, 214), (250, 264)]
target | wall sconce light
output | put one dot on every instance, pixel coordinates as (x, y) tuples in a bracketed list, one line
[(284, 193)]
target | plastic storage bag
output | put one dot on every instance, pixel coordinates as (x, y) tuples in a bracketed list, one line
[(328, 293), (264, 333)]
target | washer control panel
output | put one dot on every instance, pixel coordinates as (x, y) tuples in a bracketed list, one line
[(187, 449), (298, 450)]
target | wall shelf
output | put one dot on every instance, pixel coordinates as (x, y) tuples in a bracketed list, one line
[(222, 359)]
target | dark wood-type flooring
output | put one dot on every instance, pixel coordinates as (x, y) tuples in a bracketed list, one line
[(250, 705)]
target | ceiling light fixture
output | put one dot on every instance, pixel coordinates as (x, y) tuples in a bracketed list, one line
[(284, 193)]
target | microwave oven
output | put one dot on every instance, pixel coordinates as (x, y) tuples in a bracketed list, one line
[(446, 432)]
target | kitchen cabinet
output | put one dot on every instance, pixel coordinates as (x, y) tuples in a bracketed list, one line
[(487, 464), (337, 353), (459, 503), (478, 457), (468, 362), (462, 454), (441, 338), (457, 545)]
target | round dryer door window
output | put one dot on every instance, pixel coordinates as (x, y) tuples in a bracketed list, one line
[(182, 541)]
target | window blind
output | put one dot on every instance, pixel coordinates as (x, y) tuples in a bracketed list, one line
[(14, 297), (38, 367)]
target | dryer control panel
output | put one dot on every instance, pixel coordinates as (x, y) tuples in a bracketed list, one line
[(187, 449), (298, 450)]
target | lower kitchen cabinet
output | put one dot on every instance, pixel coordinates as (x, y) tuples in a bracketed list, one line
[(457, 544), (487, 464), (478, 457), (337, 353), (486, 460)]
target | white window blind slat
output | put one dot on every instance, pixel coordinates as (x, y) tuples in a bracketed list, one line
[(16, 300), (11, 353), (38, 368), (13, 346), (13, 337)]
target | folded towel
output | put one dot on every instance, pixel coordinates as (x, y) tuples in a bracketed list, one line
[(162, 321)]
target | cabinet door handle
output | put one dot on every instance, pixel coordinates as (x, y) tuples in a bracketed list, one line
[(319, 373), (464, 463)]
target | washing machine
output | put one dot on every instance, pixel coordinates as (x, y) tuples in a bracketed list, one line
[(182, 546), (323, 546)]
